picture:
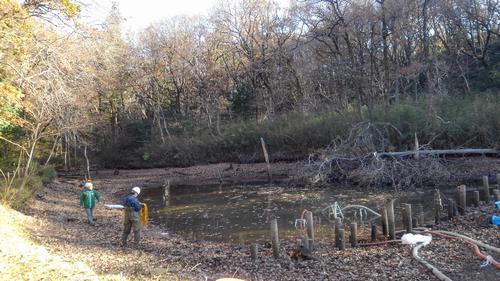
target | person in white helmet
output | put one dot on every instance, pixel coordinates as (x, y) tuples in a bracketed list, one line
[(131, 216)]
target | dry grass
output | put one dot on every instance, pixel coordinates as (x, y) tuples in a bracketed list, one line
[(21, 259)]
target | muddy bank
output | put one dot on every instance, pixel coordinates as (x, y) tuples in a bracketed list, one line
[(163, 255), (445, 172)]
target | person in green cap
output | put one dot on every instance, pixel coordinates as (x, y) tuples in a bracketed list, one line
[(88, 199)]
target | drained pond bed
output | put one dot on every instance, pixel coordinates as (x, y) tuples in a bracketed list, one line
[(206, 233)]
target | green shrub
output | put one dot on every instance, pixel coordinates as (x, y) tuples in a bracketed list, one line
[(453, 121)]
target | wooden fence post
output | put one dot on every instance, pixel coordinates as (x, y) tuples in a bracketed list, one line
[(275, 241), (461, 199)]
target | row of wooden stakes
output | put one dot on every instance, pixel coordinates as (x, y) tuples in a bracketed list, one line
[(388, 222)]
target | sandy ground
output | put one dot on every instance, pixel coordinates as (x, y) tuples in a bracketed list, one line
[(61, 228)]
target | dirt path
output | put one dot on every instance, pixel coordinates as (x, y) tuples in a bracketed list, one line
[(61, 228)]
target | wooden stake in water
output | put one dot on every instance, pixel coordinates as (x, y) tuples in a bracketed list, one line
[(266, 156), (310, 229), (485, 196), (166, 194), (275, 241), (390, 219), (475, 198), (254, 251), (461, 199), (408, 218), (354, 231)]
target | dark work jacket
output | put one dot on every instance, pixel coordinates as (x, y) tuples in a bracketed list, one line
[(131, 202)]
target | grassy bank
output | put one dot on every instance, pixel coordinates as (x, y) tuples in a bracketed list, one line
[(443, 122)]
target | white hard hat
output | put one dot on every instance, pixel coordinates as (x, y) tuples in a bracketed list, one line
[(136, 189)]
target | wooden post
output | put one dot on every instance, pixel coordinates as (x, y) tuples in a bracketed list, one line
[(338, 227), (475, 198), (437, 207), (390, 219), (361, 223), (385, 222), (336, 224), (310, 229), (408, 219), (341, 244), (354, 231), (421, 215), (417, 155), (275, 241), (496, 193), (450, 209), (305, 241), (374, 232), (266, 156), (455, 208), (461, 199), (166, 194), (485, 195), (414, 222), (87, 162), (254, 251)]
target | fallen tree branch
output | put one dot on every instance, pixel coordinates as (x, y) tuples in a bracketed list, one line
[(380, 155)]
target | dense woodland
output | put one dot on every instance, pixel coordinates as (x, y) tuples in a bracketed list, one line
[(191, 90)]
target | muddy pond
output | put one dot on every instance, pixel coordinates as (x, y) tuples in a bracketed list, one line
[(240, 214)]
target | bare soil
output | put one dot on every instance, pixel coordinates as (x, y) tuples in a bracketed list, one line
[(61, 227)]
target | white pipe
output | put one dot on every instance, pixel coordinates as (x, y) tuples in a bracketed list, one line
[(433, 269), (479, 243)]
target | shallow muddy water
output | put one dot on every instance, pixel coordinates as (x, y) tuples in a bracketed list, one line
[(240, 214)]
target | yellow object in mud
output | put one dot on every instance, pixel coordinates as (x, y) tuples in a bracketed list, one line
[(144, 214)]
